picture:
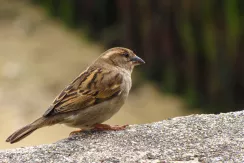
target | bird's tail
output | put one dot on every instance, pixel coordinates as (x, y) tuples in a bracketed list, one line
[(25, 131)]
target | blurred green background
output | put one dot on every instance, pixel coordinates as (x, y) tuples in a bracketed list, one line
[(192, 48), (192, 51)]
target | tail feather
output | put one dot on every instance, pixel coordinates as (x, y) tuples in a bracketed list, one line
[(25, 131)]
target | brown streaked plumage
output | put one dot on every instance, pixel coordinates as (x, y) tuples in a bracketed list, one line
[(93, 97)]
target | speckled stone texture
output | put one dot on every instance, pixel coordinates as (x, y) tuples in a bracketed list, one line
[(194, 138)]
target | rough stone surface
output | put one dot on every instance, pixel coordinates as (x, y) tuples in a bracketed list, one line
[(195, 138)]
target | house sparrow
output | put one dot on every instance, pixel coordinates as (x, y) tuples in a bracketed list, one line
[(92, 98)]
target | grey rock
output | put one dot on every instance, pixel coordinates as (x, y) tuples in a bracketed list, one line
[(195, 138)]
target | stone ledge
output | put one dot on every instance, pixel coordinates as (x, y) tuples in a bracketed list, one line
[(194, 138)]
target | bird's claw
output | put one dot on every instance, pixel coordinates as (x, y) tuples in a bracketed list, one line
[(104, 127)]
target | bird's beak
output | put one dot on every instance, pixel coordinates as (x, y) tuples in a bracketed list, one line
[(137, 60)]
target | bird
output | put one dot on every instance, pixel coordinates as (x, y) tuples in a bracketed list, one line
[(91, 98)]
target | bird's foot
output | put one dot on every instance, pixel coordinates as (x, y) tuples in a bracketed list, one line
[(75, 132), (104, 127)]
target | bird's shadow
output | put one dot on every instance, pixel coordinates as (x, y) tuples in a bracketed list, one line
[(84, 135)]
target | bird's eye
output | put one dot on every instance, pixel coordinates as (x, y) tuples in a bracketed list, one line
[(126, 55)]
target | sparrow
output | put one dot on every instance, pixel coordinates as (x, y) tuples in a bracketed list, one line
[(91, 98)]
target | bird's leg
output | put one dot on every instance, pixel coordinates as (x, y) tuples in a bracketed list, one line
[(75, 132), (104, 127)]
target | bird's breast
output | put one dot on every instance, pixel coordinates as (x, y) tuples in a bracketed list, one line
[(127, 83)]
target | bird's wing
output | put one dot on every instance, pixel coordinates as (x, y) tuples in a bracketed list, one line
[(91, 87)]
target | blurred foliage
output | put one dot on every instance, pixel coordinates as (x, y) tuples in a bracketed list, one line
[(192, 48)]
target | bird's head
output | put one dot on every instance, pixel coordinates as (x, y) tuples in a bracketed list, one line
[(121, 57)]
